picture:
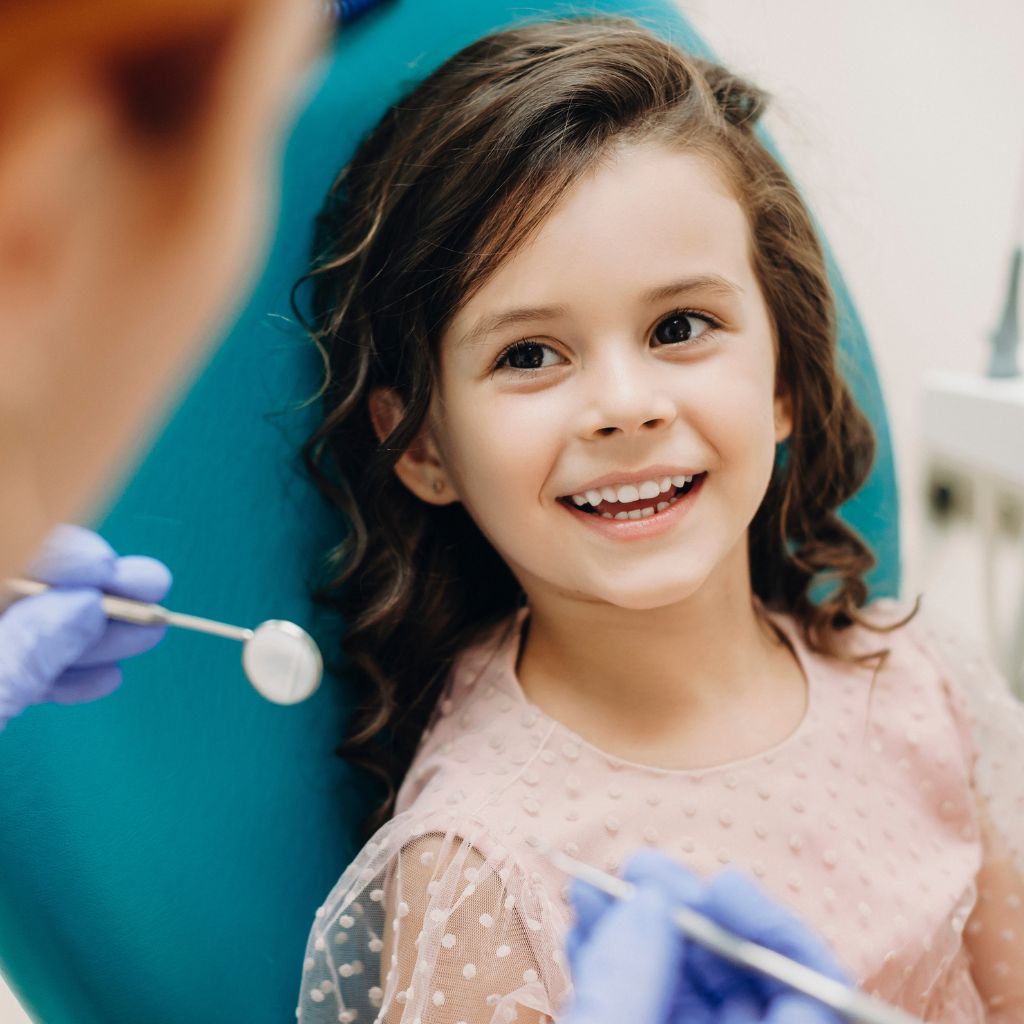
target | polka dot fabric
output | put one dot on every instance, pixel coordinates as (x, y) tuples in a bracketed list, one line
[(891, 820)]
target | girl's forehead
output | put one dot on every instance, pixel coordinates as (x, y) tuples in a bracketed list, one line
[(640, 218)]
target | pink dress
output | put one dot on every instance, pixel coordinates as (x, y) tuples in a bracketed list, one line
[(878, 820)]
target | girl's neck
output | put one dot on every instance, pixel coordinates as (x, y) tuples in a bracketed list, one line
[(653, 676)]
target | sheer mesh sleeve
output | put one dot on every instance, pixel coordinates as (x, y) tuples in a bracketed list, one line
[(991, 723), (433, 924)]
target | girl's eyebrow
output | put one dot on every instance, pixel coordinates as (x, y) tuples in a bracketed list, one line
[(490, 324), (701, 282), (714, 283)]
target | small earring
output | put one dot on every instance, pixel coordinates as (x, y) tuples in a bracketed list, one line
[(438, 486)]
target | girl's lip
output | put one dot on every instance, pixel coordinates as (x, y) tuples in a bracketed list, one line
[(638, 529)]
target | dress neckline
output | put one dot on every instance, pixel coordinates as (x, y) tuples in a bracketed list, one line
[(508, 652)]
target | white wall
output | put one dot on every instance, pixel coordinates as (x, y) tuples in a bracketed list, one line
[(902, 123)]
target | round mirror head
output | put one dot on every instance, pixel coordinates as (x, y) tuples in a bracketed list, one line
[(282, 662)]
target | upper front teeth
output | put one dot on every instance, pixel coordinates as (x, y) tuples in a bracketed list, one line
[(631, 492)]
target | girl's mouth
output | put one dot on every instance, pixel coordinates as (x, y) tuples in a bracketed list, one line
[(643, 508)]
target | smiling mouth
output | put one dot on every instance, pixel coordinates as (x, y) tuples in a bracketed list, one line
[(622, 509)]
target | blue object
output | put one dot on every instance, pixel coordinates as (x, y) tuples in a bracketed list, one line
[(165, 849), (59, 646), (630, 961), (346, 11)]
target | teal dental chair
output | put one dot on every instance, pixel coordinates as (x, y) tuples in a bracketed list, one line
[(163, 851)]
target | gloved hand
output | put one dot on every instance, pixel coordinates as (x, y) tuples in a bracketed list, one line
[(60, 646), (631, 962)]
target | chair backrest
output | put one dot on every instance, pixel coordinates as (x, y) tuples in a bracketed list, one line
[(164, 849)]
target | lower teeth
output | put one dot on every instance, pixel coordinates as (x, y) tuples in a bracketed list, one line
[(642, 513)]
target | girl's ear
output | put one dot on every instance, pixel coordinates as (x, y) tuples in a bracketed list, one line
[(420, 467), (783, 417)]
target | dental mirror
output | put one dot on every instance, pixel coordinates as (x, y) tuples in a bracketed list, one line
[(282, 662), (280, 659)]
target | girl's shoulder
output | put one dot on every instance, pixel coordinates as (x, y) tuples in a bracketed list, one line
[(959, 660), (917, 675), (910, 639), (446, 901), (932, 661), (435, 907), (482, 730)]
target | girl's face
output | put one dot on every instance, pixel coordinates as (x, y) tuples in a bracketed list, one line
[(643, 350)]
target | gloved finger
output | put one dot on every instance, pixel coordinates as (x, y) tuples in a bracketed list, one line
[(73, 556), (736, 902), (711, 978), (688, 1006), (794, 1008), (589, 905), (588, 902), (739, 904), (717, 980), (42, 636), (744, 1008), (140, 578), (680, 883), (121, 640), (81, 685), (629, 968)]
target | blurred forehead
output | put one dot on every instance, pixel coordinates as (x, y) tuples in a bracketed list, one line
[(42, 34)]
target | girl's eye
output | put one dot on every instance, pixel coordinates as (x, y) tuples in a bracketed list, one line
[(675, 329), (523, 355)]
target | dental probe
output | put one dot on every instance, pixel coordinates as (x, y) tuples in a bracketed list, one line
[(280, 659), (850, 1002)]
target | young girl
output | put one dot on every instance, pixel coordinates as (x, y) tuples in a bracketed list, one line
[(571, 308)]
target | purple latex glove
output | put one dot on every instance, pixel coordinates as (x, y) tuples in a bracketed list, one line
[(631, 962), (60, 646)]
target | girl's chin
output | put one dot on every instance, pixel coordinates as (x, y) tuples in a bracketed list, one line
[(651, 601), (641, 597)]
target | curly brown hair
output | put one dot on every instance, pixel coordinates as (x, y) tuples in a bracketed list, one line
[(453, 179)]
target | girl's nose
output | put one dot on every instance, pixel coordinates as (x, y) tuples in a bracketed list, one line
[(627, 397)]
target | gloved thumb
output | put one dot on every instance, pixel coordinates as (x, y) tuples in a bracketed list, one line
[(628, 967), (41, 636)]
